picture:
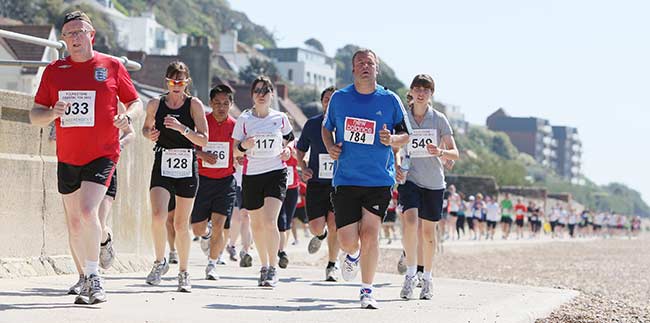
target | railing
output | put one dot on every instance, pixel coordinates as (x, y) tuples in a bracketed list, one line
[(58, 45)]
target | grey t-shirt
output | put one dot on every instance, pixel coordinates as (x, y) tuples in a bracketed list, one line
[(427, 172)]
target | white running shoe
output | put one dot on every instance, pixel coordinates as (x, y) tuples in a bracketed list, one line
[(349, 267), (367, 300), (408, 287), (211, 272)]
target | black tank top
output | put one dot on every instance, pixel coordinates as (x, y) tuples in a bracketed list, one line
[(170, 138)]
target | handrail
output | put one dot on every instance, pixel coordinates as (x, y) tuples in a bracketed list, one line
[(59, 45)]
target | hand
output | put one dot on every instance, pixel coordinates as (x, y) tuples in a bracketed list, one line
[(384, 136), (334, 151), (399, 175), (59, 108), (286, 154), (449, 164), (433, 149), (172, 123), (248, 143), (207, 157), (154, 134), (240, 160), (307, 174), (121, 122)]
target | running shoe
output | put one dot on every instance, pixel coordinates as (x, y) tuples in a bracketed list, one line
[(97, 293), (245, 260), (427, 290), (157, 271), (76, 288), (315, 243), (232, 253), (331, 274), (367, 300), (220, 260), (211, 272), (283, 260), (410, 282), (349, 267), (271, 277), (205, 245), (173, 257), (420, 275), (184, 284), (401, 264), (106, 253), (262, 279)]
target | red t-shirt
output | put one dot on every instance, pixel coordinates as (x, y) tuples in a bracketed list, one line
[(301, 195), (392, 205), (220, 144), (93, 87), (293, 180), (520, 211)]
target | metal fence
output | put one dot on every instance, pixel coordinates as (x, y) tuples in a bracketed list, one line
[(58, 45)]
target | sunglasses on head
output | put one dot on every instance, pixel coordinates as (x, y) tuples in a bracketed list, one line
[(262, 90), (172, 82)]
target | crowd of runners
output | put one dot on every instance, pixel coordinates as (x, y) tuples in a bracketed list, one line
[(238, 183)]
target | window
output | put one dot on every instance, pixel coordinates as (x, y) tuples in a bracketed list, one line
[(290, 75)]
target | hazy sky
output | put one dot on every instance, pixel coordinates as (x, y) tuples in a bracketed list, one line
[(577, 63)]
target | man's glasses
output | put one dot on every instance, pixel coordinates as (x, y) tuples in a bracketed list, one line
[(74, 33), (172, 82), (262, 90)]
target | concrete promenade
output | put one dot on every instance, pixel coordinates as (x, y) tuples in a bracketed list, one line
[(301, 296)]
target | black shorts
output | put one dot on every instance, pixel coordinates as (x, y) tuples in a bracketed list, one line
[(257, 187), (214, 196), (453, 213), (519, 222), (318, 200), (238, 196), (112, 187), (184, 187), (350, 200), (491, 224), (391, 216), (428, 202), (506, 219), (288, 210), (561, 225), (301, 215), (98, 171)]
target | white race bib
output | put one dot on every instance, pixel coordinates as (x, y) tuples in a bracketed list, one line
[(359, 131), (81, 112), (177, 163), (419, 140), (325, 166), (290, 175), (221, 150), (267, 145)]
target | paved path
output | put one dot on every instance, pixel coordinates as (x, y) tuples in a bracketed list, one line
[(301, 296)]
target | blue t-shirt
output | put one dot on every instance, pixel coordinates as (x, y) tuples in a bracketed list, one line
[(311, 137), (357, 119)]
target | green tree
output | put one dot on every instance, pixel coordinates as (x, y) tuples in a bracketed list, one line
[(315, 43), (258, 67), (344, 77)]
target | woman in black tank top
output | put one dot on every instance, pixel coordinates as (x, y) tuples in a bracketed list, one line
[(175, 122)]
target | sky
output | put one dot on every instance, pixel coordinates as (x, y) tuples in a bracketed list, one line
[(584, 64)]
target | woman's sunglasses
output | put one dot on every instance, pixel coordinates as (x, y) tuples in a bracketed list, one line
[(172, 82), (262, 90)]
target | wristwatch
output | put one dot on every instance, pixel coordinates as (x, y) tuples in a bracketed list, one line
[(442, 153), (186, 131)]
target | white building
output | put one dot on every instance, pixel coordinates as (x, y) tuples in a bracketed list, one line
[(20, 78), (237, 54), (303, 66)]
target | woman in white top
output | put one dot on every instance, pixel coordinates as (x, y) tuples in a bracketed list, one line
[(261, 135)]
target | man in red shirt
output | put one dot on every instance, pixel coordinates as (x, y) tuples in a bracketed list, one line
[(520, 212), (80, 94), (216, 196)]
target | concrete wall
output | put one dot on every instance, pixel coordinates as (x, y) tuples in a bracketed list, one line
[(33, 222)]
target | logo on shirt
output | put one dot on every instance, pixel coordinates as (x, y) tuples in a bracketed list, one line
[(101, 74), (378, 113), (65, 66)]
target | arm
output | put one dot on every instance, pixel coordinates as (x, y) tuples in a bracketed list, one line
[(450, 152), (307, 173), (198, 136), (333, 149), (206, 157), (123, 119), (42, 116), (149, 130)]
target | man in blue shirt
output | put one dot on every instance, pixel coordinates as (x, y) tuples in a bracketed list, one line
[(318, 176), (368, 120)]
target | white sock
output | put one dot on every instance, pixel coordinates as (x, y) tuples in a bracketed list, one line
[(212, 261), (427, 276), (91, 268), (366, 286), (410, 270)]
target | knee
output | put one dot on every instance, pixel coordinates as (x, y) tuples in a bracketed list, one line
[(429, 233), (347, 243), (410, 221), (159, 218), (88, 212), (74, 226), (198, 229), (181, 226), (369, 233)]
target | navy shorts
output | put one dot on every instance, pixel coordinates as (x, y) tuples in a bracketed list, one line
[(214, 196), (318, 199), (288, 210), (428, 202)]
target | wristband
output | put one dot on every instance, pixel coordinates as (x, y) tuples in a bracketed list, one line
[(241, 148), (186, 131)]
